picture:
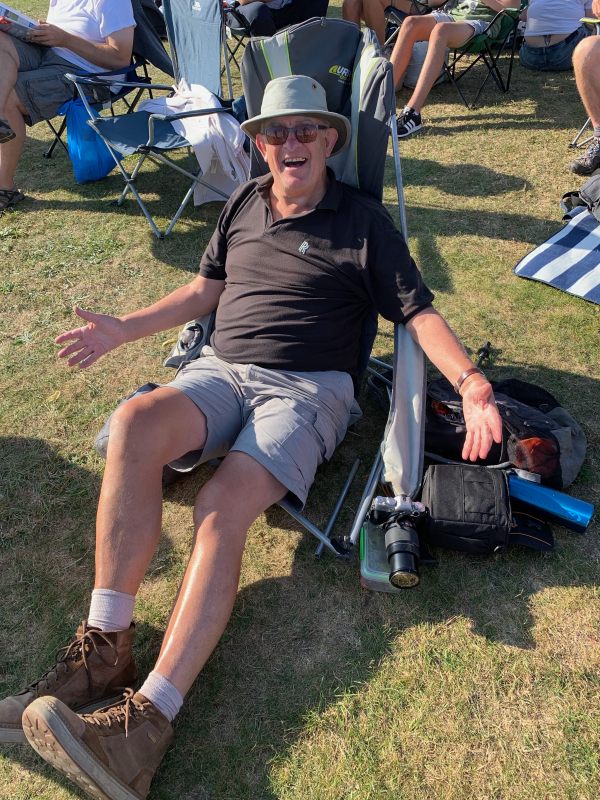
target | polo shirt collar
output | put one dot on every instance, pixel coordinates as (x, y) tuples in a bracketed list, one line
[(329, 202)]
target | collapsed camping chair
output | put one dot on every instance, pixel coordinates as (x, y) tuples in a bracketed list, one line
[(194, 32), (499, 37), (359, 84), (147, 49)]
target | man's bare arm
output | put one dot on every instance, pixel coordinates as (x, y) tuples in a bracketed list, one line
[(103, 333), (484, 426), (113, 53)]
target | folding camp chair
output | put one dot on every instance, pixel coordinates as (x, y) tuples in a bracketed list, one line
[(147, 49), (238, 30), (499, 37), (194, 32), (236, 34), (107, 103), (358, 82), (577, 142)]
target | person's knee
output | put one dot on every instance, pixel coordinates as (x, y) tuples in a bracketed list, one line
[(239, 491), (214, 498), (140, 429), (441, 33), (133, 426), (586, 56)]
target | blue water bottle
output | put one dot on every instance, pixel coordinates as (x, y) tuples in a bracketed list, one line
[(551, 504)]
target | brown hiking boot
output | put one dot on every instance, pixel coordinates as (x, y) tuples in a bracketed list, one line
[(112, 753), (92, 671)]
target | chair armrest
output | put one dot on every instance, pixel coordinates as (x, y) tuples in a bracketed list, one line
[(201, 112), (97, 79), (513, 13)]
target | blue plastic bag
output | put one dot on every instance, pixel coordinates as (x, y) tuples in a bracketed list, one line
[(90, 157)]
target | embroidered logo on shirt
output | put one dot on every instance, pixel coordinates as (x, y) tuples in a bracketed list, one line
[(303, 247)]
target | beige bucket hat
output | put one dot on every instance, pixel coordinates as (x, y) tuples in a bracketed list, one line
[(297, 95)]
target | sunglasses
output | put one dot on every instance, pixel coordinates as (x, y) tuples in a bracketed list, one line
[(278, 134)]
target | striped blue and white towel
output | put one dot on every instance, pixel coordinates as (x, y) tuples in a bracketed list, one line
[(569, 260)]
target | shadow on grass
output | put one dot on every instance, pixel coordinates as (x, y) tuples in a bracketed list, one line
[(461, 180), (427, 224), (297, 642)]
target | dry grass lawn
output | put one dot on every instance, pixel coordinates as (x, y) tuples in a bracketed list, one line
[(481, 684)]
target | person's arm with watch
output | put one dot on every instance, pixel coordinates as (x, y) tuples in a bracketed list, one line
[(484, 426)]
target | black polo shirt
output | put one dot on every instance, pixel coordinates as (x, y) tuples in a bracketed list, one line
[(298, 290)]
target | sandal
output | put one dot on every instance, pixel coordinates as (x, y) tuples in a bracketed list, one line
[(6, 132), (8, 197)]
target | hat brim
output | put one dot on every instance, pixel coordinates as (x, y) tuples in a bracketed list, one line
[(253, 125)]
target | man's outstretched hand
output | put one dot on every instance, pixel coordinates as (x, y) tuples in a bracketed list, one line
[(482, 419), (101, 335)]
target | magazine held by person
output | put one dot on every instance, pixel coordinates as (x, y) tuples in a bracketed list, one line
[(15, 23)]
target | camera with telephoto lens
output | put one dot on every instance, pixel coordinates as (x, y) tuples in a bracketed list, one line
[(397, 518)]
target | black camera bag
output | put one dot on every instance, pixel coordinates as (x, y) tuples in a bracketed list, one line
[(468, 508)]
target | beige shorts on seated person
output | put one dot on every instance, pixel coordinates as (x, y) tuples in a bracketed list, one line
[(287, 421), (478, 25)]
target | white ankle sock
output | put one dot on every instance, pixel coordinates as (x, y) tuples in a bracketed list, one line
[(110, 610), (163, 694)]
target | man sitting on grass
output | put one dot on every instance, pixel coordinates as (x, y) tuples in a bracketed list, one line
[(586, 63), (442, 30), (295, 265), (79, 35)]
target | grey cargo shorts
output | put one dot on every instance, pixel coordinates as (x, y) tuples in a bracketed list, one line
[(287, 421), (41, 84)]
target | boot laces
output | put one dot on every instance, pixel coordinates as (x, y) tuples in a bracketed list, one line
[(593, 150), (78, 649), (118, 714)]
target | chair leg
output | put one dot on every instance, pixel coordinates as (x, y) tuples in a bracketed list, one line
[(57, 137), (576, 142), (180, 210)]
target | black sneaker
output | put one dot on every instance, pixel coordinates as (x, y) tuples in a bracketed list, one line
[(589, 161), (409, 123)]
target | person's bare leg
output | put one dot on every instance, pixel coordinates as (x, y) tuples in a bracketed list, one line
[(373, 14), (11, 111), (586, 63), (413, 29), (146, 432), (444, 35), (226, 506), (352, 10), (10, 152), (9, 68)]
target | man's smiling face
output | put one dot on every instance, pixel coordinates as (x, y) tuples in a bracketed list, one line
[(298, 169)]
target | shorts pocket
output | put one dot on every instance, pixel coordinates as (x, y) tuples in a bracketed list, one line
[(44, 96)]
